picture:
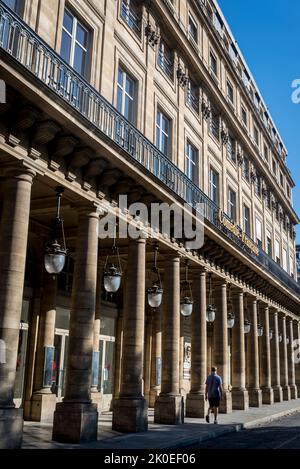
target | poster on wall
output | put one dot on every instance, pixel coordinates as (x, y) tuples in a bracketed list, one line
[(187, 358)]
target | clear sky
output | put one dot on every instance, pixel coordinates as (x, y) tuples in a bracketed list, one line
[(268, 34)]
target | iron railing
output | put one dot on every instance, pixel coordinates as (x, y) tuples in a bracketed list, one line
[(21, 43)]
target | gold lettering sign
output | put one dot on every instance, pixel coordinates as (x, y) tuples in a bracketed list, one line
[(241, 235)]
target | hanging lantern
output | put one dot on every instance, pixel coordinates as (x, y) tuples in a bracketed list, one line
[(280, 337), (112, 274), (55, 252), (270, 334), (186, 302), (211, 309), (230, 314), (230, 320), (155, 292), (247, 326), (260, 330)]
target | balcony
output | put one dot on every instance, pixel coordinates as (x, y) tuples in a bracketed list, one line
[(24, 47)]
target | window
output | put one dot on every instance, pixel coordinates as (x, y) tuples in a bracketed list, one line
[(244, 116), (215, 124), (74, 43), (291, 266), (214, 186), (193, 29), (256, 135), (231, 149), (281, 180), (274, 167), (258, 231), (258, 185), (277, 251), (247, 223), (191, 163), (126, 94), (192, 96), (163, 129), (284, 259), (165, 59), (131, 15), (213, 64), (269, 199), (288, 191), (266, 153), (231, 208), (269, 244), (14, 5), (230, 92), (246, 168)]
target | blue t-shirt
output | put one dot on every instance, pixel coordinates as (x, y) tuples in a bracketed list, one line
[(213, 385)]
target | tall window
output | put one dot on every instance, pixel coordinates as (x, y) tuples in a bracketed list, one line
[(165, 59), (246, 168), (74, 43), (284, 259), (191, 162), (163, 130), (247, 223), (14, 5), (131, 14), (269, 244), (230, 92), (215, 124), (192, 96), (231, 149), (277, 251), (193, 29), (231, 206), (214, 186), (274, 167), (126, 95), (258, 230), (266, 153), (258, 185), (256, 135), (244, 115), (213, 64)]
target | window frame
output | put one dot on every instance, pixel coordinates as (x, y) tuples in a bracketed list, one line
[(232, 206), (129, 77), (247, 221), (196, 25), (229, 85), (213, 56), (214, 188), (189, 147), (158, 126)]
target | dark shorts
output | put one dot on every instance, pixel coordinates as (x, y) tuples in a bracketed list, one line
[(214, 401)]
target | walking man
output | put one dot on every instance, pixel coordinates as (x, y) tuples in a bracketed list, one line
[(213, 392)]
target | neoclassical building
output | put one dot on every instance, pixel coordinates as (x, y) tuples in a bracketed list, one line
[(150, 99)]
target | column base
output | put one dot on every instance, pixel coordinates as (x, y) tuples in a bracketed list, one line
[(169, 410), (154, 393), (97, 399), (226, 403), (294, 391), (267, 395), (286, 393), (11, 428), (196, 406), (42, 407), (278, 394), (240, 399), (130, 415), (75, 422), (255, 397)]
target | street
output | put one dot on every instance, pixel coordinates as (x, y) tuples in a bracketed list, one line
[(281, 434)]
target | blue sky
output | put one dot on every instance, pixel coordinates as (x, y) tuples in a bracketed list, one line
[(267, 32)]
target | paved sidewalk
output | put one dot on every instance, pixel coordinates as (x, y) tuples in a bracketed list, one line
[(194, 431)]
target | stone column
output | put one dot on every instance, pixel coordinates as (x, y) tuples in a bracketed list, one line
[(195, 402), (13, 245), (291, 363), (255, 394), (130, 412), (95, 391), (240, 398), (284, 376), (76, 418), (168, 405), (267, 391), (297, 353), (220, 343), (147, 355), (275, 358), (155, 357), (43, 401)]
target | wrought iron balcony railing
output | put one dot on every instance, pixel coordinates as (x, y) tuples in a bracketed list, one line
[(24, 46)]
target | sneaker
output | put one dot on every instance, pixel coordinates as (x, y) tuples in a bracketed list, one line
[(216, 421), (207, 418)]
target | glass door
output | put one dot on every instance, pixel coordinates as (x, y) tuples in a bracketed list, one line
[(106, 370), (61, 343)]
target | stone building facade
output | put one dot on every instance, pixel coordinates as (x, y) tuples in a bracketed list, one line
[(154, 100)]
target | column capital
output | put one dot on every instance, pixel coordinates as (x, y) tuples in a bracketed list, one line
[(19, 171), (92, 209)]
